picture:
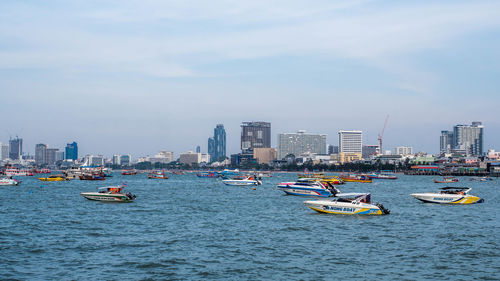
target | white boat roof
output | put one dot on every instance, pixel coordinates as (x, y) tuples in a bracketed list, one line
[(106, 187), (351, 194)]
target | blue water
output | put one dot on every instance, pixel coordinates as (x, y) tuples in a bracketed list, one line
[(189, 228)]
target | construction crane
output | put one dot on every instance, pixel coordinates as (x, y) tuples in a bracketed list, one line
[(381, 135)]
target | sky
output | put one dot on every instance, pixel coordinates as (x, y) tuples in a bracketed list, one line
[(138, 77)]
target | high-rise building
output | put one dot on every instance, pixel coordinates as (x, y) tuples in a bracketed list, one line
[(301, 143), (198, 149), (15, 148), (4, 151), (125, 160), (72, 151), (255, 135), (51, 155), (116, 160), (59, 156), (469, 138), (446, 141), (351, 141), (211, 147), (219, 143), (41, 154), (466, 139)]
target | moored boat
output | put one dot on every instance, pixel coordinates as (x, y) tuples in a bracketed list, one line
[(348, 204), (157, 175), (54, 178), (446, 180), (10, 172), (356, 178), (130, 172), (383, 176), (308, 187), (92, 176), (9, 181), (449, 195), (110, 194), (207, 175), (245, 181)]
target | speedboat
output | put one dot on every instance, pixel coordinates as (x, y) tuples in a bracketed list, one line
[(383, 176), (54, 178), (110, 194), (449, 195), (348, 204), (9, 181), (446, 180), (308, 187), (249, 180)]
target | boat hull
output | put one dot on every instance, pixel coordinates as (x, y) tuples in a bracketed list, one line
[(342, 208), (9, 182), (118, 198), (52, 179), (240, 182), (447, 198), (304, 191)]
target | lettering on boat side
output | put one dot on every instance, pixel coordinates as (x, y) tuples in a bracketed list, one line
[(443, 199), (339, 209)]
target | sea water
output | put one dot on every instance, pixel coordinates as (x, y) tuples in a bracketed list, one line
[(189, 228)]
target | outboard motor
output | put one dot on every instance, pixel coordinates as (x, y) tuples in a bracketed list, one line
[(385, 211), (130, 195)]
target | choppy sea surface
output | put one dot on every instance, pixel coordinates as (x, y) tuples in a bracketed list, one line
[(189, 228)]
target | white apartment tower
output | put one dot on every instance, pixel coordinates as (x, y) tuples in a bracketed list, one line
[(301, 143), (351, 141)]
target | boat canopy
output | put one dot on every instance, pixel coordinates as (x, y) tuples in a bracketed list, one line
[(454, 188)]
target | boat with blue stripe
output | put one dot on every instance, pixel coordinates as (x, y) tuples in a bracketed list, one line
[(308, 187)]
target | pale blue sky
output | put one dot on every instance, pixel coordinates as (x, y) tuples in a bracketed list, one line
[(142, 76)]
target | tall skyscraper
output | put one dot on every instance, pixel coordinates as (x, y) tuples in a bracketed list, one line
[(351, 141), (219, 143), (211, 148), (41, 154), (72, 151), (198, 149), (255, 135), (51, 155), (466, 139), (15, 148), (300, 143)]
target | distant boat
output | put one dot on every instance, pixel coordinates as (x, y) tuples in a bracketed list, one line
[(130, 172), (207, 175), (9, 181), (92, 176), (157, 175), (110, 194), (446, 180), (356, 178)]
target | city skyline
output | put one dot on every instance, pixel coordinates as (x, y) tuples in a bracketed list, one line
[(140, 77)]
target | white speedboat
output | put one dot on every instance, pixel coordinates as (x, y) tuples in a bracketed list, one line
[(250, 180), (110, 194), (449, 195), (9, 181), (308, 187), (348, 204)]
